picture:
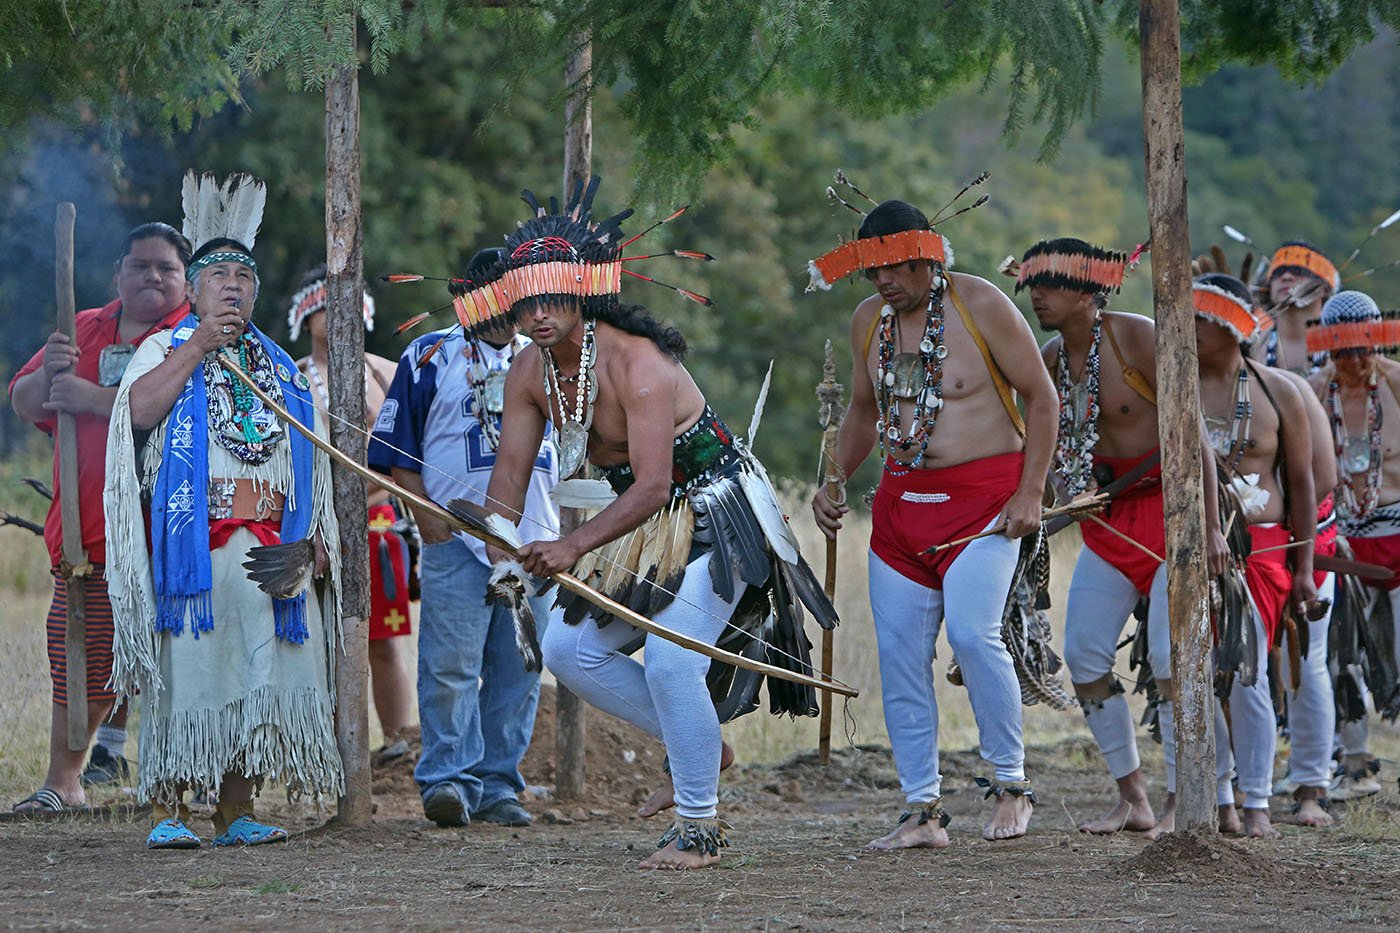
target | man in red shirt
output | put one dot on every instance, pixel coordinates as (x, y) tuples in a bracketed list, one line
[(80, 377)]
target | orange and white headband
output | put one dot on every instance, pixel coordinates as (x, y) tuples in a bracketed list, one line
[(874, 252), (578, 279), (1352, 321), (311, 299), (1223, 308), (1301, 257)]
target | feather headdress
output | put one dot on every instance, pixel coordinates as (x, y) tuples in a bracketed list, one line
[(311, 299), (1068, 262), (1223, 307), (233, 209)]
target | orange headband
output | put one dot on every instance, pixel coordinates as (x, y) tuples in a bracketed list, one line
[(581, 279), (873, 252), (1355, 335), (1224, 309), (1100, 274), (1310, 259)]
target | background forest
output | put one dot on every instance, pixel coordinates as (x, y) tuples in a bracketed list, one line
[(448, 142)]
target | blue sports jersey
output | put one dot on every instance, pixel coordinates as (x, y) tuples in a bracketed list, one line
[(430, 414)]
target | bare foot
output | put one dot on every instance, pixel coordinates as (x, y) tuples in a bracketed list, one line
[(1134, 815), (1230, 819), (1309, 810), (910, 834), (1257, 825), (664, 797), (1011, 815), (675, 859), (1167, 824)]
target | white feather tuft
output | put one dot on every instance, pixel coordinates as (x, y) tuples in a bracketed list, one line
[(815, 279), (504, 529), (1235, 235), (1386, 223), (758, 489), (947, 253), (582, 494), (759, 403)]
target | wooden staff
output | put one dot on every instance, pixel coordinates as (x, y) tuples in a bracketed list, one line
[(832, 407), (74, 565)]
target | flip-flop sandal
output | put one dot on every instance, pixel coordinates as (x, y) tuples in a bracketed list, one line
[(172, 834), (48, 802), (249, 832)]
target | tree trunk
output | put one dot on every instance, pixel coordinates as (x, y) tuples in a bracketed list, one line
[(345, 332), (1178, 384), (570, 737)]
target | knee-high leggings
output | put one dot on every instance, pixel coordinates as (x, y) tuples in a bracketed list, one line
[(907, 619), (665, 698)]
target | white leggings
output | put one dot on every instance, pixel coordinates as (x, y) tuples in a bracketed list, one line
[(1101, 599), (907, 618), (1312, 713), (667, 698), (1249, 740), (1356, 736)]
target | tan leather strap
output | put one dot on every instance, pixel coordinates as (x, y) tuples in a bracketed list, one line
[(1003, 387), (1132, 377), (870, 336)]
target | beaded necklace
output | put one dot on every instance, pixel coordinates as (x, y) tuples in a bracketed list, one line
[(573, 433), (244, 401), (1349, 451), (1232, 446), (929, 398), (1079, 416), (488, 390)]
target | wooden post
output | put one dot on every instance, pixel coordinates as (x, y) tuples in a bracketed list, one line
[(831, 409), (74, 566), (570, 736), (345, 332), (1178, 381)]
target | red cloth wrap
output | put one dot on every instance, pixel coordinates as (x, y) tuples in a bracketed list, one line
[(388, 618), (1136, 512), (957, 501), (1384, 551), (1267, 575), (221, 529), (1325, 543)]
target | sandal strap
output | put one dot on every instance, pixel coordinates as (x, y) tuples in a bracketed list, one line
[(932, 810), (48, 800), (1015, 788)]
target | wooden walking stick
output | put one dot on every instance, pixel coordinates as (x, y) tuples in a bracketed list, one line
[(830, 411), (74, 566)]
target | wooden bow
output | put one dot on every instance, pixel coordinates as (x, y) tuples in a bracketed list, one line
[(566, 580)]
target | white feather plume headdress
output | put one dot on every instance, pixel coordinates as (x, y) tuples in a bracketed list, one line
[(233, 209)]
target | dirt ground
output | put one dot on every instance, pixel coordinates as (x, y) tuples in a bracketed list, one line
[(796, 861)]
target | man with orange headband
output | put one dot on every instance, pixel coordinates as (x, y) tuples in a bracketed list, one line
[(1358, 387), (937, 357), (1257, 424), (1301, 278), (1108, 429)]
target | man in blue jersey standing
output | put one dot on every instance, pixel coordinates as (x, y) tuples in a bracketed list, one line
[(437, 435)]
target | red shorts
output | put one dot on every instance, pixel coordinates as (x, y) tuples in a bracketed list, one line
[(98, 640), (388, 576), (924, 508), (1267, 575), (1325, 542), (1384, 551), (1136, 512)]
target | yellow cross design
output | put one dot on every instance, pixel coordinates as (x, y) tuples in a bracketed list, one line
[(395, 620), (381, 524)]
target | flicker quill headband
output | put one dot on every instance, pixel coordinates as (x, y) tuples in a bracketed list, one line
[(1072, 264), (312, 299), (1310, 260), (1221, 307), (1351, 321), (859, 254)]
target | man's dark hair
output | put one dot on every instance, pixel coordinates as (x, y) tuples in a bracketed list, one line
[(220, 243), (157, 230), (635, 319), (310, 277), (892, 216), (484, 262), (1229, 284)]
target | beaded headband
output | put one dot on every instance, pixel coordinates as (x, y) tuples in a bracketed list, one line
[(1219, 306), (216, 257), (1310, 260), (312, 299), (1070, 263)]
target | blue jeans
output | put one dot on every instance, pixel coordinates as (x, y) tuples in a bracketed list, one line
[(476, 701)]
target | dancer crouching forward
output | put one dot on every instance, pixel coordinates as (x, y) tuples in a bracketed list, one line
[(1258, 425), (609, 377), (920, 363), (1108, 428)]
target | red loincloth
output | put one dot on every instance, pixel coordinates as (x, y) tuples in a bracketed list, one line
[(1384, 551), (388, 617), (1136, 512), (1325, 542), (1267, 575), (924, 508)]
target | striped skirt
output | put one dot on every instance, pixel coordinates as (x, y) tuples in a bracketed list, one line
[(99, 638)]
